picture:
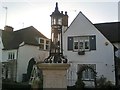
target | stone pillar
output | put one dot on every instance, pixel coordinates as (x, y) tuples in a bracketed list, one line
[(54, 75)]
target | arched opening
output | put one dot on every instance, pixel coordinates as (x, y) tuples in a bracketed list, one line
[(30, 67), (87, 75)]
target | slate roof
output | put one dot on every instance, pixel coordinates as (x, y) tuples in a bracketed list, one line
[(110, 30), (12, 40)]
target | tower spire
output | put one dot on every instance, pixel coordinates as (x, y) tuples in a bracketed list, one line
[(56, 8)]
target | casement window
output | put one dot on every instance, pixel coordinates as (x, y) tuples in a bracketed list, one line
[(11, 55), (88, 73), (82, 43), (41, 42), (47, 44)]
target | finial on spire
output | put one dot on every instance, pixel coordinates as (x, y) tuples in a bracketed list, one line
[(56, 8), (56, 4)]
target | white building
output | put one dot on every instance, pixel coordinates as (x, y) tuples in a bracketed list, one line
[(111, 31), (19, 49), (84, 45), (1, 46)]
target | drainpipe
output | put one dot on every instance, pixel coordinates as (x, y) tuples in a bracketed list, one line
[(116, 72), (16, 65)]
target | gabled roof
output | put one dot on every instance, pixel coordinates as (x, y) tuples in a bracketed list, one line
[(12, 40), (110, 30)]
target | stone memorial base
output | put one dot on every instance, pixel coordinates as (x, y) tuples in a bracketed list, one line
[(54, 74)]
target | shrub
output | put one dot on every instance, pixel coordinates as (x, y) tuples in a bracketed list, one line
[(103, 83)]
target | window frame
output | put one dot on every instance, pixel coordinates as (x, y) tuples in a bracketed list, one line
[(47, 45), (41, 44), (89, 73), (83, 40), (11, 55)]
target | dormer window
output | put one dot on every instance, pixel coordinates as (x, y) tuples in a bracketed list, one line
[(41, 42), (47, 44)]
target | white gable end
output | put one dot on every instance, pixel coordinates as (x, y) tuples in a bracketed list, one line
[(102, 56), (81, 26)]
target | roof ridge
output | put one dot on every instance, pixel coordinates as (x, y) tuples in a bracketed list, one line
[(26, 28), (107, 23)]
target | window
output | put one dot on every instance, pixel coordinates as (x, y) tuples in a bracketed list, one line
[(60, 21), (41, 44), (88, 73), (47, 44), (81, 43), (41, 41), (11, 55)]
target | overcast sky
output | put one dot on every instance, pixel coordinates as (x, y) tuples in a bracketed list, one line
[(24, 13)]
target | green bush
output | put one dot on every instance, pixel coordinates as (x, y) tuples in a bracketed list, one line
[(103, 83)]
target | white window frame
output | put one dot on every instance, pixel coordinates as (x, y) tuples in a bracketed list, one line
[(47, 44), (81, 39), (87, 75), (41, 43), (11, 55)]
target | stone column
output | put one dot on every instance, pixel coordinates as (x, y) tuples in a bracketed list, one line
[(54, 75)]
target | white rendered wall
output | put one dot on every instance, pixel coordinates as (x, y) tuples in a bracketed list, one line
[(25, 53), (103, 56), (1, 45)]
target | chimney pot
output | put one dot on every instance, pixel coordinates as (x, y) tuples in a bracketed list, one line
[(65, 12), (8, 28), (61, 12)]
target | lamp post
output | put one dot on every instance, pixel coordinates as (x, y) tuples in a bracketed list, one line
[(56, 47), (54, 74)]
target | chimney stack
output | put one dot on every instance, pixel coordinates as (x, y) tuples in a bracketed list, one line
[(65, 19), (8, 28)]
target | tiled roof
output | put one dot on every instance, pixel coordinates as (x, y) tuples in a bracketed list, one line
[(12, 40), (110, 30)]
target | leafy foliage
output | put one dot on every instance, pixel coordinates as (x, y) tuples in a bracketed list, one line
[(103, 83), (79, 84)]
